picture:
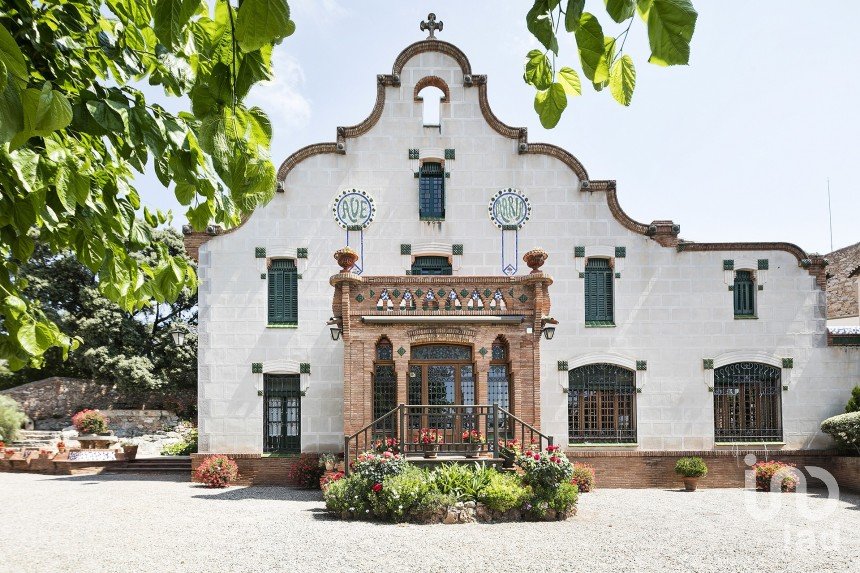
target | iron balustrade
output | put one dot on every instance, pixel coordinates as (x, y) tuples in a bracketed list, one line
[(400, 430)]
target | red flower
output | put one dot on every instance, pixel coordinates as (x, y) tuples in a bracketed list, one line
[(377, 487), (387, 454), (554, 459), (551, 448)]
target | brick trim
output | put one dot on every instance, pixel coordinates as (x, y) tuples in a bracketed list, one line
[(434, 81)]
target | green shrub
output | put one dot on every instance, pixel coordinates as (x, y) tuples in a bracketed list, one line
[(564, 498), (405, 492), (853, 404), (691, 467), (430, 504), (349, 494), (465, 483), (185, 447), (504, 492), (11, 419), (844, 428), (375, 467)]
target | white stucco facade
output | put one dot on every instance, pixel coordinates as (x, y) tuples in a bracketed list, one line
[(673, 308)]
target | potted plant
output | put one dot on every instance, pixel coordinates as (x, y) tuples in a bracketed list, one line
[(44, 454), (430, 439), (10, 452), (90, 422), (691, 469), (61, 446), (129, 449), (474, 441), (508, 451), (328, 461)]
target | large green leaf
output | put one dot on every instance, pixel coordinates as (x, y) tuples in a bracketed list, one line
[(569, 80), (572, 14), (254, 67), (538, 70), (620, 10), (170, 17), (671, 24), (549, 104), (53, 111), (11, 56), (11, 112), (592, 53), (539, 23), (261, 22), (622, 80)]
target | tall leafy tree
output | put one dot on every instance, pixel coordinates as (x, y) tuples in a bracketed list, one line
[(670, 25), (131, 349), (75, 127)]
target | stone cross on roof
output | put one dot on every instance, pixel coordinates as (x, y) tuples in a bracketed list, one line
[(431, 25)]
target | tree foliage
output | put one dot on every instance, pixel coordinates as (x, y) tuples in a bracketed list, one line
[(131, 349), (75, 127), (670, 25)]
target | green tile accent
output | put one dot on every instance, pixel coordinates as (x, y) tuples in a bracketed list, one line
[(582, 275), (260, 252), (711, 389), (408, 271), (259, 392), (447, 175), (579, 252), (562, 365), (482, 351), (599, 324), (419, 292), (523, 298), (401, 351), (785, 388), (708, 363), (354, 228), (638, 390), (509, 227), (760, 287), (256, 368), (372, 293), (305, 368), (620, 252), (487, 292), (449, 154), (299, 276), (641, 365), (788, 362), (763, 264), (441, 293), (405, 249), (262, 275), (396, 293), (464, 293), (728, 265), (731, 287), (413, 153), (511, 292), (360, 297), (302, 253), (416, 175), (457, 249), (618, 275)]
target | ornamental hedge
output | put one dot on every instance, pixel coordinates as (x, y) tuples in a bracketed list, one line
[(845, 429)]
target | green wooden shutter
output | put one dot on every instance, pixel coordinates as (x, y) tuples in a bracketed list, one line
[(431, 266), (744, 291), (599, 304), (283, 292), (431, 191)]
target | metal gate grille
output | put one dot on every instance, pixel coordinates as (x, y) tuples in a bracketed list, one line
[(384, 396), (747, 403), (431, 191), (283, 413), (601, 403)]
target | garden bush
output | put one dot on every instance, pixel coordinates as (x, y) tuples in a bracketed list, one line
[(691, 467), (184, 447), (463, 482), (784, 474), (844, 428), (504, 492), (306, 471), (90, 422), (583, 477), (350, 494), (217, 471), (11, 419), (853, 404), (375, 467), (547, 469), (403, 493)]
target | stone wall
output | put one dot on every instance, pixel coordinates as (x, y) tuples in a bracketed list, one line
[(842, 277), (52, 402), (131, 423)]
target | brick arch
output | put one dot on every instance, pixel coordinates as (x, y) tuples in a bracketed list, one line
[(432, 81)]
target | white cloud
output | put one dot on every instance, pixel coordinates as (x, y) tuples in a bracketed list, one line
[(319, 12), (282, 97)]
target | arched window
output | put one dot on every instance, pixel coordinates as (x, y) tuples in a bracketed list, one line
[(499, 379), (431, 191), (431, 266), (384, 385), (283, 292), (747, 403), (601, 402), (744, 290), (432, 98), (599, 307)]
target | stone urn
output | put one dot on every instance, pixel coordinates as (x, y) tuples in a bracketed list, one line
[(130, 452), (346, 258), (431, 450), (535, 259), (473, 450)]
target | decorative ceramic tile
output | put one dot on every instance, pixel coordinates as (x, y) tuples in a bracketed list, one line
[(562, 365), (708, 363), (457, 249), (260, 252), (262, 275), (620, 252), (401, 351), (760, 287), (788, 362), (302, 253), (579, 252), (641, 365), (482, 351), (618, 275), (405, 249), (728, 265), (305, 368), (360, 297), (449, 154), (413, 154), (523, 298), (256, 368), (763, 264)]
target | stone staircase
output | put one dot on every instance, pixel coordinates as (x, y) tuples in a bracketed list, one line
[(159, 465), (36, 438)]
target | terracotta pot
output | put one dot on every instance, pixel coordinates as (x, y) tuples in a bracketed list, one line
[(430, 450), (130, 452), (535, 259), (473, 450), (690, 483), (346, 258)]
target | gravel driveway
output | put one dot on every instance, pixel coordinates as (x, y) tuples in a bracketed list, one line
[(128, 523)]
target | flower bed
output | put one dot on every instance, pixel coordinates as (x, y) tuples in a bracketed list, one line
[(768, 474), (385, 487)]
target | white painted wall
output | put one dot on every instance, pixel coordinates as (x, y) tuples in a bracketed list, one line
[(672, 309)]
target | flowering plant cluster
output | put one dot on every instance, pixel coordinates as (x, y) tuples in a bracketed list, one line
[(430, 436), (90, 422), (583, 477), (217, 471), (783, 473), (473, 437), (386, 445), (327, 459), (306, 471), (375, 467), (510, 448), (547, 469), (2, 444)]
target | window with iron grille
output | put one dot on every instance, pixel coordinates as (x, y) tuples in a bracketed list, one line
[(283, 292), (598, 292), (431, 191), (282, 416), (601, 402), (499, 382), (384, 385), (744, 291), (747, 403), (431, 266)]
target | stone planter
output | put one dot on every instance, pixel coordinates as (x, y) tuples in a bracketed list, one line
[(535, 259), (96, 441), (130, 452), (346, 258), (431, 451), (690, 483), (473, 450)]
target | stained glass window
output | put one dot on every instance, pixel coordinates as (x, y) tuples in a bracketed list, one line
[(441, 352)]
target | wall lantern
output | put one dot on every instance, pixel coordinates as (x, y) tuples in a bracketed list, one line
[(335, 328), (548, 327), (178, 333)]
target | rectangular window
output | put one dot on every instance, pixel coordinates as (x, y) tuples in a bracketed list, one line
[(598, 293), (282, 414), (744, 291), (283, 292), (431, 191)]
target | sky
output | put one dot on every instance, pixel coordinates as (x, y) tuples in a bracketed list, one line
[(737, 146)]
